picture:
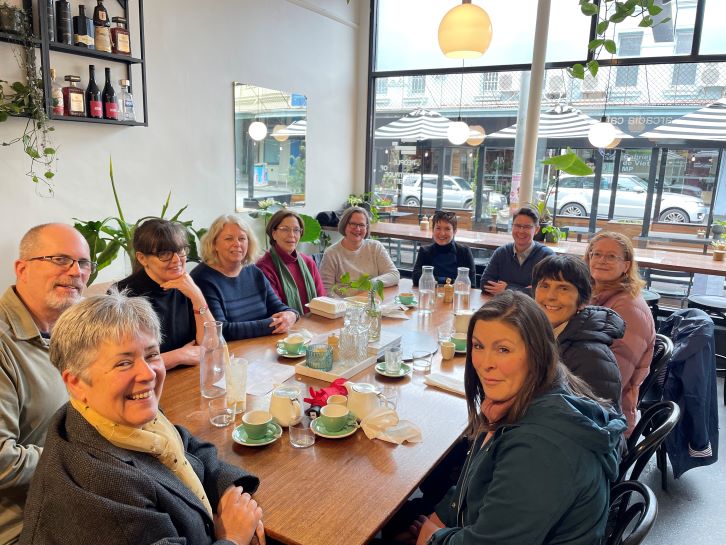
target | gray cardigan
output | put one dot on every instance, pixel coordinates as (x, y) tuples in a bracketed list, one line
[(87, 491)]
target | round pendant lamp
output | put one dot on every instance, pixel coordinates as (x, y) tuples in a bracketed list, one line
[(602, 135), (476, 135), (465, 32), (257, 130), (458, 132), (276, 130)]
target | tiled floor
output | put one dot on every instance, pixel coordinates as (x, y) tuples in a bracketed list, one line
[(693, 511)]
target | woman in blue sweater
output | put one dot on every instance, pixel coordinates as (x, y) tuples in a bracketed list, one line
[(444, 254), (237, 292)]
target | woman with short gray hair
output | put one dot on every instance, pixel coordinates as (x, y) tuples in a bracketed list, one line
[(356, 253), (114, 469)]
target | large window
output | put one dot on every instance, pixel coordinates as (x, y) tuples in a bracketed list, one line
[(627, 76), (684, 74)]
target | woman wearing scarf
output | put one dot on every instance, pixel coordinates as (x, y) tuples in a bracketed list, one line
[(114, 469), (543, 450), (237, 292), (293, 276)]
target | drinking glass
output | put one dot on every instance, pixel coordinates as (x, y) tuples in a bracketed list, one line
[(445, 332), (237, 386), (393, 360), (320, 356), (421, 361), (219, 415), (301, 434)]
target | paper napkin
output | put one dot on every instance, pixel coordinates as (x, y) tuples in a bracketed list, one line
[(383, 423), (445, 382)]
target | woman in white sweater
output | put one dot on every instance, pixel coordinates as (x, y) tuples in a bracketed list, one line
[(357, 254)]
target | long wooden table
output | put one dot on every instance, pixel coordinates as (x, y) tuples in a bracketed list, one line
[(647, 258), (338, 491)]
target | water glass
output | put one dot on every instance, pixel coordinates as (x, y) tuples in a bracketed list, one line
[(390, 394), (219, 415), (301, 434), (445, 332), (237, 386), (320, 356), (422, 361), (393, 360)]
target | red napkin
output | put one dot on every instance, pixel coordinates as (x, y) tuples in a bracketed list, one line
[(320, 397)]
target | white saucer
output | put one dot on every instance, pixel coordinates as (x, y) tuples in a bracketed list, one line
[(381, 370), (347, 431), (274, 431)]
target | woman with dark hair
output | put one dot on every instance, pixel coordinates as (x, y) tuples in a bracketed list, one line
[(544, 451), (445, 255), (617, 285), (160, 276), (293, 276), (561, 285)]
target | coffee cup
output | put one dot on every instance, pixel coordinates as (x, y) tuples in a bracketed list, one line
[(337, 399), (256, 423), (334, 417), (293, 343), (459, 340), (406, 298), (448, 348), (461, 321)]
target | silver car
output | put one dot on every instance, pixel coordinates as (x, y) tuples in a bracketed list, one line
[(457, 192), (574, 198)]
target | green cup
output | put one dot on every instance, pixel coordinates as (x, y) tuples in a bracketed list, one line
[(334, 417), (256, 423), (459, 340), (406, 298), (294, 344)]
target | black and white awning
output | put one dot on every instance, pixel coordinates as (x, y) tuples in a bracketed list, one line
[(420, 124), (708, 123)]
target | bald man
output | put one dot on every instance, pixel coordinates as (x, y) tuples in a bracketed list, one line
[(51, 272)]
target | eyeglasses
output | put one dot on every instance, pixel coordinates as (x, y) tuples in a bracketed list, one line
[(65, 262), (357, 225), (607, 258), (288, 230), (523, 226), (168, 255)]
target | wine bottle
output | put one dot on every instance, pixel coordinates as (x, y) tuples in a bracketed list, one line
[(56, 95), (110, 106), (64, 22), (94, 107), (126, 101), (102, 36), (83, 29), (50, 19)]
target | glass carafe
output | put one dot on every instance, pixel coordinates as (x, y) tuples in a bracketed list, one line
[(213, 361), (462, 290), (426, 290)]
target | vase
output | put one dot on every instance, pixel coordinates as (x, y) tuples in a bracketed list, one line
[(718, 255)]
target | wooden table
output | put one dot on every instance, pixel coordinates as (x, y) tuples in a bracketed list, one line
[(338, 491), (647, 258)]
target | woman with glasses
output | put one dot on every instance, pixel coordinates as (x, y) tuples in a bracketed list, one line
[(617, 285), (238, 293), (444, 254), (160, 276), (293, 276), (356, 253)]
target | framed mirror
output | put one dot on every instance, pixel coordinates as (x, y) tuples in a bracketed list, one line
[(269, 139)]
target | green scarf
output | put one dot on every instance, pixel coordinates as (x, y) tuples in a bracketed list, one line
[(288, 283)]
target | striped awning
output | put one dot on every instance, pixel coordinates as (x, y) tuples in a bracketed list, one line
[(708, 123), (562, 121), (417, 125)]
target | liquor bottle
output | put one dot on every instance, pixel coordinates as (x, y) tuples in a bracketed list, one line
[(50, 19), (64, 22), (126, 102), (120, 39), (82, 29), (102, 36), (56, 95), (94, 107), (110, 106), (73, 100)]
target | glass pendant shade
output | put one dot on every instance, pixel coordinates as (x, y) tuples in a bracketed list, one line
[(476, 135), (465, 32), (276, 130), (458, 132), (257, 130), (602, 135)]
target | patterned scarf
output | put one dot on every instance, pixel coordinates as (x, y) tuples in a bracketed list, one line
[(288, 282)]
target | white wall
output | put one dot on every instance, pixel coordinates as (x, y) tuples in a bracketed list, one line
[(194, 51)]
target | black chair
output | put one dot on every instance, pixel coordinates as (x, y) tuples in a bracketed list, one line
[(648, 435), (651, 391), (633, 510), (652, 299)]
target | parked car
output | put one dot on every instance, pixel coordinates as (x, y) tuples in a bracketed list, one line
[(457, 192), (680, 187), (574, 198)]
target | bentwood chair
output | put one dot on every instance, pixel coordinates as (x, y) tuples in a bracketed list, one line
[(633, 510), (651, 391)]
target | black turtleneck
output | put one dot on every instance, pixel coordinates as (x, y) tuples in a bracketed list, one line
[(445, 259)]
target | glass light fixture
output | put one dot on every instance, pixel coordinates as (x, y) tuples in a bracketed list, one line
[(465, 32), (603, 134), (458, 132), (257, 130), (476, 135), (276, 130)]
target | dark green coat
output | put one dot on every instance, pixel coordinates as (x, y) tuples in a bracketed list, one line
[(544, 480)]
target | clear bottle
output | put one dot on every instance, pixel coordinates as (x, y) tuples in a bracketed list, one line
[(374, 318), (56, 95), (426, 290), (213, 361), (126, 102), (462, 290)]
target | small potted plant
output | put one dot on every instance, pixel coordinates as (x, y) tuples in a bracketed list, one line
[(552, 234), (719, 249)]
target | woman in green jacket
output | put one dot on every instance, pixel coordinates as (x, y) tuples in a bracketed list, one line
[(543, 454)]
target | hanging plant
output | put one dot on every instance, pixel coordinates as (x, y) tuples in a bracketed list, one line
[(26, 99)]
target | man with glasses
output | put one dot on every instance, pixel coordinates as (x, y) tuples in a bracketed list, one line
[(510, 267), (51, 271)]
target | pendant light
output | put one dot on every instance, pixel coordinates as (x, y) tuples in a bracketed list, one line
[(278, 133), (476, 135), (604, 134), (458, 131), (257, 129), (465, 32)]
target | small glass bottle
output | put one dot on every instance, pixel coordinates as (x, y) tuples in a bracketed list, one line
[(213, 361), (56, 95), (120, 39), (426, 290), (74, 100), (83, 29), (462, 290), (102, 28), (126, 102), (374, 317), (448, 291)]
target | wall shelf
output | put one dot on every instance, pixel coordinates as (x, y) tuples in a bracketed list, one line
[(93, 53)]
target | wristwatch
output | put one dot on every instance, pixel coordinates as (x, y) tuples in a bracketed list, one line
[(201, 311)]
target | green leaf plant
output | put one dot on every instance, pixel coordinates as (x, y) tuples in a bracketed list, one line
[(346, 286), (311, 227)]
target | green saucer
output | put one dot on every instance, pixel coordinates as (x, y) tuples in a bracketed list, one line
[(320, 429), (409, 305), (274, 431), (381, 370), (285, 354)]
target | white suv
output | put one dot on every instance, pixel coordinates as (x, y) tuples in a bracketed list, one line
[(457, 192), (574, 198)]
